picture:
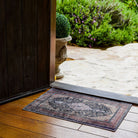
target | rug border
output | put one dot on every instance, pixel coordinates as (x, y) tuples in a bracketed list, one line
[(82, 123)]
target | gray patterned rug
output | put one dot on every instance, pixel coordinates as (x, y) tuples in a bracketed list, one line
[(80, 108)]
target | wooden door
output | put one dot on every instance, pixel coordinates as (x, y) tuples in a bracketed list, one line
[(27, 41)]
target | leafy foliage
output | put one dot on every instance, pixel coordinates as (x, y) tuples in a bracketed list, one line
[(133, 4), (101, 22), (62, 26)]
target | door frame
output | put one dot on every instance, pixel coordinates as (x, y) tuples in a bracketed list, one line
[(52, 40)]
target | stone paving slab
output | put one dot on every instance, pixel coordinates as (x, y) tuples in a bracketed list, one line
[(114, 69)]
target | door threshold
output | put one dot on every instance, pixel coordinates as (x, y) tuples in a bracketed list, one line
[(95, 92)]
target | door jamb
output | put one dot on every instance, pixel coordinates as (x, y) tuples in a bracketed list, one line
[(52, 40)]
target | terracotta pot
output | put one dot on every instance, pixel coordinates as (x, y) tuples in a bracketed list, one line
[(61, 54)]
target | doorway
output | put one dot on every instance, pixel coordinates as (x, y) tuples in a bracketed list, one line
[(92, 91)]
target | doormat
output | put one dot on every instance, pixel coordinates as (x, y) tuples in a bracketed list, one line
[(80, 108)]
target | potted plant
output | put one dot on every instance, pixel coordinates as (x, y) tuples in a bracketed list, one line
[(62, 37)]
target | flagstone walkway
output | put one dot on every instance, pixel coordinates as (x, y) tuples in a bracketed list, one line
[(114, 69)]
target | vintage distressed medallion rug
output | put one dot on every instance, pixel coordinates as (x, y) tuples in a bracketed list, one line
[(80, 108)]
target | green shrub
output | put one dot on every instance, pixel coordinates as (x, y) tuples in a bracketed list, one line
[(133, 4), (62, 26), (99, 23)]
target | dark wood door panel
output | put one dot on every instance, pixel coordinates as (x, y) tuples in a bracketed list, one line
[(3, 59), (43, 41), (25, 42), (29, 42), (14, 46)]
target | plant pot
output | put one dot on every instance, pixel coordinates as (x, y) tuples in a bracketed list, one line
[(61, 54)]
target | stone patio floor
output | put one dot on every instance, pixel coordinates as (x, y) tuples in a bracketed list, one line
[(114, 69)]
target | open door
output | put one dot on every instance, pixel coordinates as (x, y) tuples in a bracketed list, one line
[(27, 42)]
